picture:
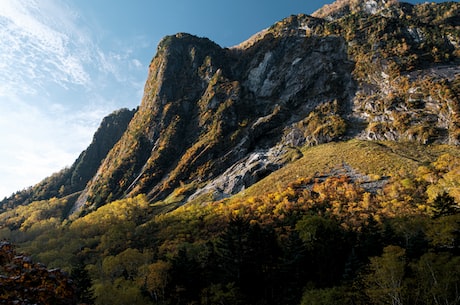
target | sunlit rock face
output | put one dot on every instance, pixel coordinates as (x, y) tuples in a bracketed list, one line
[(342, 8), (213, 121), (216, 120), (206, 108)]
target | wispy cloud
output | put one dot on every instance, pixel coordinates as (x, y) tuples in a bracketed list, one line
[(39, 44), (38, 142), (56, 84), (48, 41)]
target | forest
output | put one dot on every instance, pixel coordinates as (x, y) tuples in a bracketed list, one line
[(322, 239)]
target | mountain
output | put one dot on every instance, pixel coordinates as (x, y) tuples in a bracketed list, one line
[(206, 109), (216, 120), (318, 162)]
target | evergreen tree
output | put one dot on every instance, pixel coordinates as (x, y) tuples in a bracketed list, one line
[(444, 205), (83, 282), (248, 256)]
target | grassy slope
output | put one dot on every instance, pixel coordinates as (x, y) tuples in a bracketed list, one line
[(376, 159)]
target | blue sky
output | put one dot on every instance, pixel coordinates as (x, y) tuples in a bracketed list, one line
[(65, 64)]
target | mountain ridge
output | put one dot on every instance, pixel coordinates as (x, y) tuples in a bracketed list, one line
[(227, 89), (219, 120), (341, 8)]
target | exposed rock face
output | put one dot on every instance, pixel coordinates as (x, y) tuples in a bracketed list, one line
[(342, 8), (109, 132), (218, 120), (246, 172), (206, 108), (221, 119)]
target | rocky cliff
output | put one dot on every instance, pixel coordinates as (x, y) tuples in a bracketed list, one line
[(214, 120), (207, 109)]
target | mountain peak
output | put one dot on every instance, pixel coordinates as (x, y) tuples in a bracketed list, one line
[(214, 121), (343, 7)]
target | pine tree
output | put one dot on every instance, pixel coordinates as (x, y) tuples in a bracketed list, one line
[(444, 205), (82, 280)]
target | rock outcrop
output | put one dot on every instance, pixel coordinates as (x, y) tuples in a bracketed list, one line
[(216, 120), (207, 109)]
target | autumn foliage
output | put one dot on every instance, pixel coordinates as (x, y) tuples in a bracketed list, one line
[(25, 282)]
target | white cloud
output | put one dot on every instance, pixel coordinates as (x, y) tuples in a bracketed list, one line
[(56, 85), (39, 44), (136, 63), (38, 143), (34, 145), (46, 41)]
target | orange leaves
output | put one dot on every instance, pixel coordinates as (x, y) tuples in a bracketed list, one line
[(336, 197), (25, 282)]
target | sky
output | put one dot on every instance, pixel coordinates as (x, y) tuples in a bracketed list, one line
[(66, 64)]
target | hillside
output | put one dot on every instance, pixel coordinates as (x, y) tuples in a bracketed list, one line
[(316, 229), (207, 111), (219, 120), (304, 166)]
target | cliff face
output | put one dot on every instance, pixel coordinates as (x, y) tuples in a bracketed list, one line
[(214, 120), (342, 8), (206, 108)]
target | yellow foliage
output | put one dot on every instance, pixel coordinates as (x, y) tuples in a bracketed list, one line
[(99, 221), (156, 276)]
